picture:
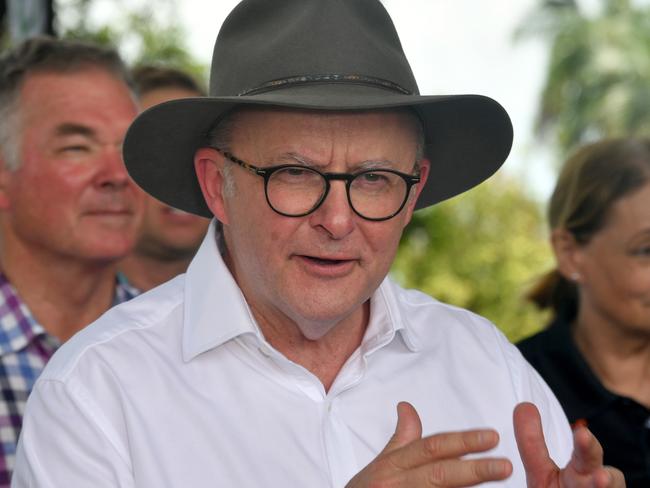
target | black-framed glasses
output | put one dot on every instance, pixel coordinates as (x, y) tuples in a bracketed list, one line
[(295, 191)]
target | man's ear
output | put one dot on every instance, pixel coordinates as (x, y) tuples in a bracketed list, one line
[(5, 178), (568, 254), (208, 164), (425, 167)]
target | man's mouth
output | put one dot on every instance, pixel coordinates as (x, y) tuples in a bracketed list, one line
[(328, 267), (110, 212), (325, 261)]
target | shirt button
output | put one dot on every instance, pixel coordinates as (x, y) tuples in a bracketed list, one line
[(264, 352)]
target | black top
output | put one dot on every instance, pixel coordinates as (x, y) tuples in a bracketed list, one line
[(621, 424)]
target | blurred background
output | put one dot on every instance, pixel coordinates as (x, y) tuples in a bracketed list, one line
[(567, 71)]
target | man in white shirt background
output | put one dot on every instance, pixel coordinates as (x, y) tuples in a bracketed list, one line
[(280, 358)]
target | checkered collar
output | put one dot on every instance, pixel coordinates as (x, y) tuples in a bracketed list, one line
[(18, 327)]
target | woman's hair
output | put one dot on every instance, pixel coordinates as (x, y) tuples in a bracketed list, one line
[(592, 180)]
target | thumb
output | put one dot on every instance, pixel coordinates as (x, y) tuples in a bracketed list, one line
[(408, 429)]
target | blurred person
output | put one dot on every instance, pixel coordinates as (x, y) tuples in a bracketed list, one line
[(68, 209), (286, 356), (168, 237), (595, 354)]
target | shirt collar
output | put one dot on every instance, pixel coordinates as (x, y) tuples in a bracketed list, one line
[(18, 327), (387, 320), (591, 394), (124, 290), (216, 311)]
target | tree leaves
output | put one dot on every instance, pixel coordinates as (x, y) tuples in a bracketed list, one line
[(481, 250), (599, 72)]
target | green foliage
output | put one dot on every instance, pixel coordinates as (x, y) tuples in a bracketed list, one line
[(599, 71), (144, 36), (481, 251)]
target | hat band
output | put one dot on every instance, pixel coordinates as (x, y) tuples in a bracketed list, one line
[(306, 79)]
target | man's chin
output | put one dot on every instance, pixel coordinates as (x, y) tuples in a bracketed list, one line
[(107, 252), (166, 249), (315, 320), (315, 331)]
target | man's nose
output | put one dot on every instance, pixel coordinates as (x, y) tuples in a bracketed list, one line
[(335, 215), (112, 172)]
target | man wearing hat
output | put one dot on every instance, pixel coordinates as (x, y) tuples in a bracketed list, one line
[(285, 356)]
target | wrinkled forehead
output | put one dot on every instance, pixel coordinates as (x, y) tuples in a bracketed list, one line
[(251, 114), (285, 124)]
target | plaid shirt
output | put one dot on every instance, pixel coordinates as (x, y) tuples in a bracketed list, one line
[(25, 348)]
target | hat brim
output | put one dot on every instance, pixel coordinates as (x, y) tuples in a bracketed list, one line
[(468, 137)]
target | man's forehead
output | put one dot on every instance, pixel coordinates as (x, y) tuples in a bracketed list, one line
[(79, 85), (312, 136), (259, 121), (49, 113), (77, 73)]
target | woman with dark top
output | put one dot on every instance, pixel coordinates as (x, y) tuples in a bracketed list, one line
[(595, 354)]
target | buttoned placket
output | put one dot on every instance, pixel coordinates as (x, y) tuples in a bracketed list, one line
[(337, 443)]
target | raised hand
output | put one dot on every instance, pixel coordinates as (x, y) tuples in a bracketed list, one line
[(585, 469), (408, 460)]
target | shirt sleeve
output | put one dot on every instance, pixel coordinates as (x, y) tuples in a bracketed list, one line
[(65, 441), (530, 387)]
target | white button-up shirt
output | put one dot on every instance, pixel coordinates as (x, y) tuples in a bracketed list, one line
[(178, 388)]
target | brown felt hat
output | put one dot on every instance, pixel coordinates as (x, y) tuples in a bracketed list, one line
[(316, 55)]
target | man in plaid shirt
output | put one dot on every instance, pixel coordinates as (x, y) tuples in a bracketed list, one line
[(68, 209)]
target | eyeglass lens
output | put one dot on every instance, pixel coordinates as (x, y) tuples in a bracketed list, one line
[(373, 194)]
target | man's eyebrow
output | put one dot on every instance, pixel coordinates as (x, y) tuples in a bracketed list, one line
[(295, 158), (641, 235), (376, 164), (70, 129)]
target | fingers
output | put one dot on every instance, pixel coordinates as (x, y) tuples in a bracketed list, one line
[(614, 478), (409, 460), (443, 446), (531, 444), (587, 452), (586, 465), (404, 452), (585, 469), (457, 472), (603, 477), (441, 474)]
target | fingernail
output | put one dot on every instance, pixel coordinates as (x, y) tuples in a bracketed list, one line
[(497, 468), (486, 437), (579, 423)]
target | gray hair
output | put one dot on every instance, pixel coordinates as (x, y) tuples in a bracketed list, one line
[(44, 55), (220, 137)]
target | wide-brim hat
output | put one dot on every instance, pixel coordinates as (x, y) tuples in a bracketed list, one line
[(314, 55)]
